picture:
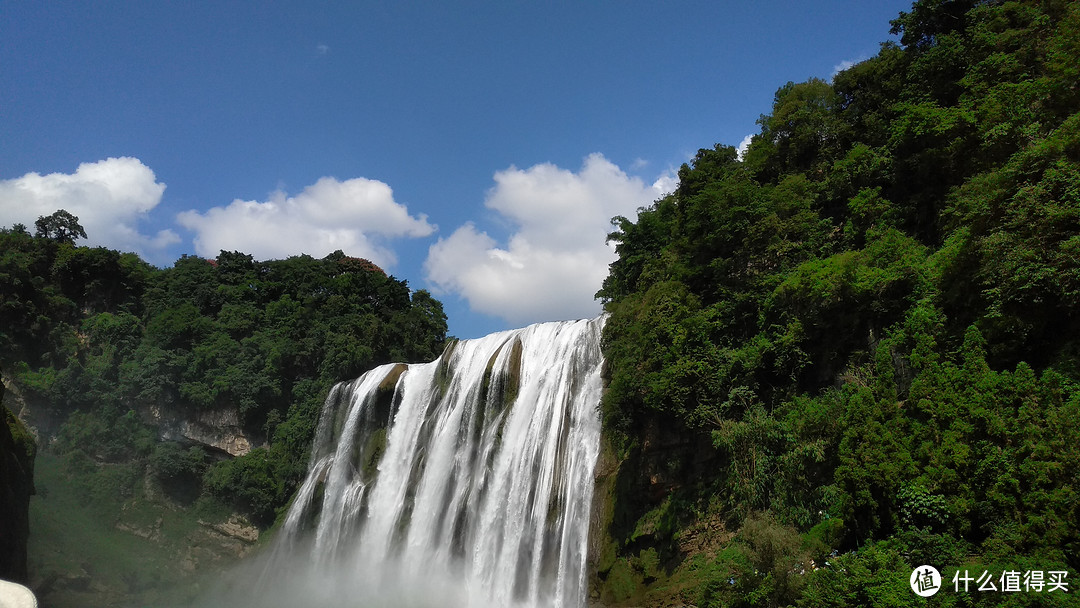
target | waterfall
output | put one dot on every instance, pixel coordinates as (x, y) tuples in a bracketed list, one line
[(466, 481)]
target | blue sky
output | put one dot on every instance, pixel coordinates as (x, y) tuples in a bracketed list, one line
[(476, 149)]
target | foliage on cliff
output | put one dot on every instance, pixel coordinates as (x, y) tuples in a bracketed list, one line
[(96, 335), (874, 316)]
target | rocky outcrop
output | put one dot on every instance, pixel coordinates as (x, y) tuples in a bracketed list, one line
[(631, 482), (217, 428), (17, 449), (236, 528)]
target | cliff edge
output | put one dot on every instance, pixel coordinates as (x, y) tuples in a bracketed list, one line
[(17, 449)]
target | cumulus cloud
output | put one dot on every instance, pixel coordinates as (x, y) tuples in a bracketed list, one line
[(743, 145), (666, 183), (356, 215), (556, 257), (109, 197)]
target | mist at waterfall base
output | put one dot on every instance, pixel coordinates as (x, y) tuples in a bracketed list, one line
[(464, 482)]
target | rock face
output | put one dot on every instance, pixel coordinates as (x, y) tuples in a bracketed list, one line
[(629, 485), (17, 449), (217, 428)]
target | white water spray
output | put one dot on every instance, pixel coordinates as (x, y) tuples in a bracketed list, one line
[(466, 481)]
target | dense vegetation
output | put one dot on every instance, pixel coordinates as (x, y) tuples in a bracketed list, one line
[(98, 340), (871, 322)]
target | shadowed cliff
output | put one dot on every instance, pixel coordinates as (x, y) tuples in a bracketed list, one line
[(17, 450)]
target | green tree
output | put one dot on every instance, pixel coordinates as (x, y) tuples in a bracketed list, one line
[(60, 226)]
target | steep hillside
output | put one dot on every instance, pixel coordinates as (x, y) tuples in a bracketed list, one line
[(854, 350)]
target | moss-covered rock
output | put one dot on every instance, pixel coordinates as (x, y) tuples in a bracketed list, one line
[(371, 454), (384, 394), (442, 371)]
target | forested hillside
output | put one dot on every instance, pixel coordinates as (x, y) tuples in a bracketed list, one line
[(101, 349), (856, 349), (94, 336)]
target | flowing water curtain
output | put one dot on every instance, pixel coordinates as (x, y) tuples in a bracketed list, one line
[(469, 477)]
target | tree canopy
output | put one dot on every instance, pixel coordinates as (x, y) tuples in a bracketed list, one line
[(96, 334), (870, 319), (61, 226)]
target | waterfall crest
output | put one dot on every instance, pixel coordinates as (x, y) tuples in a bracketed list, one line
[(469, 478)]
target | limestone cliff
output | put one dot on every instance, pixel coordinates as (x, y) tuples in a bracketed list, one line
[(632, 483), (218, 428)]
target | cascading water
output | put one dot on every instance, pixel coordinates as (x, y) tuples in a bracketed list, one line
[(465, 481)]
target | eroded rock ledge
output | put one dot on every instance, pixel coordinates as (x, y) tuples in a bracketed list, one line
[(215, 428)]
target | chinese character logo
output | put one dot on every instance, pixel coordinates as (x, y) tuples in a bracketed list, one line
[(925, 581)]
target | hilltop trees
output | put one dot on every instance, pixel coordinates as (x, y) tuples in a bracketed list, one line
[(61, 227), (98, 336)]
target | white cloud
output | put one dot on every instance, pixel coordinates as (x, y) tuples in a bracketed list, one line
[(109, 197), (322, 49), (845, 64), (743, 145), (556, 258), (355, 215), (666, 183)]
